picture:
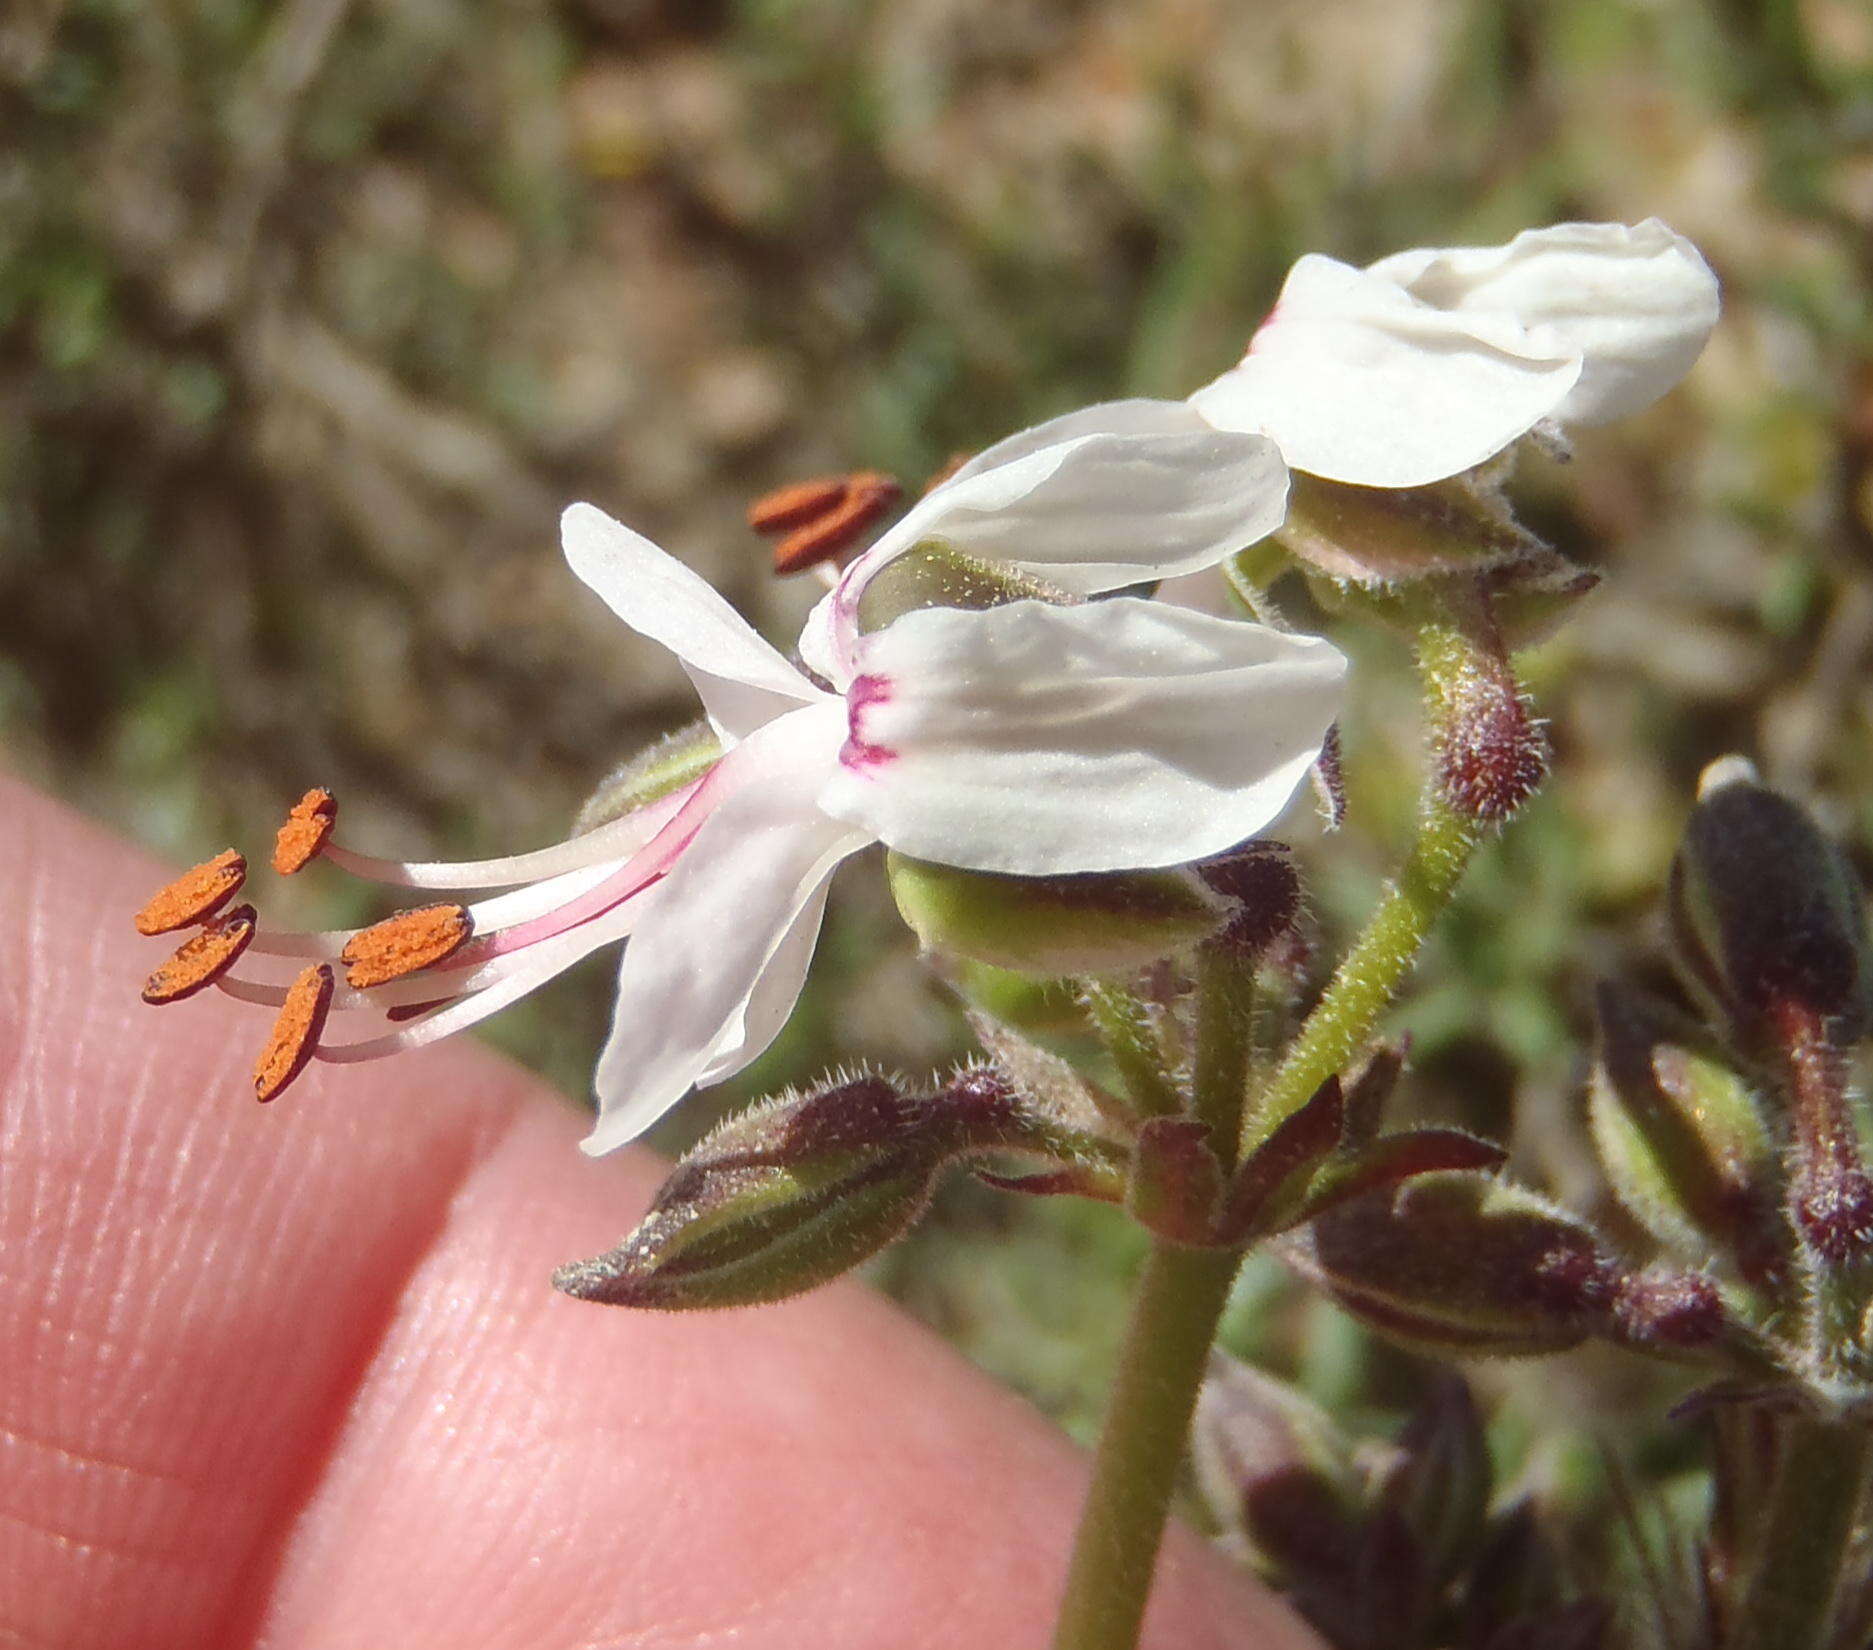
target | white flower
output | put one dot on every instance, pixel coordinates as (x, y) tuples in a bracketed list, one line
[(1030, 738), (1429, 362)]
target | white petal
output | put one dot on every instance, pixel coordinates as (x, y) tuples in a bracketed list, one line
[(1139, 490), (693, 996), (1124, 733), (743, 682), (1358, 381), (1635, 302), (1138, 415)]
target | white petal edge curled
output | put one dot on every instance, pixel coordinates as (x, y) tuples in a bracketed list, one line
[(742, 681), (1636, 302), (1040, 740), (720, 946), (1115, 494), (1356, 380)]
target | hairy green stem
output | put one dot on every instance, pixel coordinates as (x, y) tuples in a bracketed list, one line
[(1225, 1042), (1808, 1526), (1181, 1295), (1370, 974), (1182, 1292), (1125, 1026)]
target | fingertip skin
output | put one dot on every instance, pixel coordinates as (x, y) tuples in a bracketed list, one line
[(293, 1376)]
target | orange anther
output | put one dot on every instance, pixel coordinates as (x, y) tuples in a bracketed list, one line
[(295, 1032), (194, 895), (945, 471), (825, 516), (305, 832), (404, 943), (787, 507), (203, 958)]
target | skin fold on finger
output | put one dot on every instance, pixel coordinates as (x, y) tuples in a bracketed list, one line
[(294, 1377)]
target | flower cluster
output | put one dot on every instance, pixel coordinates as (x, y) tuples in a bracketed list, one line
[(984, 687)]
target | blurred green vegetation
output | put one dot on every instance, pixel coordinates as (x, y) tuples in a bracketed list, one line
[(312, 313)]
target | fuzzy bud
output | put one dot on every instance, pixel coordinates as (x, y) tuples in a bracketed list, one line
[(1767, 914), (799, 1189), (1463, 1263), (1393, 535), (671, 763), (1278, 1476), (1096, 923), (1683, 1139), (1439, 1483)]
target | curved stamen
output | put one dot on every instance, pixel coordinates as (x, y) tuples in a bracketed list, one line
[(540, 965), (618, 839)]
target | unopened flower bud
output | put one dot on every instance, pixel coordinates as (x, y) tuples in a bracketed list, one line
[(1767, 914), (668, 765), (1683, 1138), (1464, 1263), (1439, 1483), (1098, 923), (778, 1200), (1390, 535), (1278, 1476)]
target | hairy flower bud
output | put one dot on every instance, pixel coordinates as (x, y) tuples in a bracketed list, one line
[(666, 766), (1278, 1476), (1464, 1263), (1391, 535), (778, 1200), (1683, 1138), (1767, 913), (1439, 1482), (1094, 923)]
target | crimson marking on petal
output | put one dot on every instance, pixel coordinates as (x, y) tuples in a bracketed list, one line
[(861, 751)]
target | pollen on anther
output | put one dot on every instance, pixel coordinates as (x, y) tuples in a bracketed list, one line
[(196, 894), (404, 943), (306, 831), (788, 506), (203, 958), (822, 518), (295, 1032)]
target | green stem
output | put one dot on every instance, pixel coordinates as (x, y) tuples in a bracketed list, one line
[(1180, 1299), (1370, 974), (1125, 1026), (1808, 1527), (1225, 1037)]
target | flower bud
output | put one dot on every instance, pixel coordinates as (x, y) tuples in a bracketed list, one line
[(936, 574), (1278, 1476), (1096, 923), (1391, 535), (778, 1200), (1439, 1483), (1683, 1139), (1465, 1263), (668, 765), (1767, 915)]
